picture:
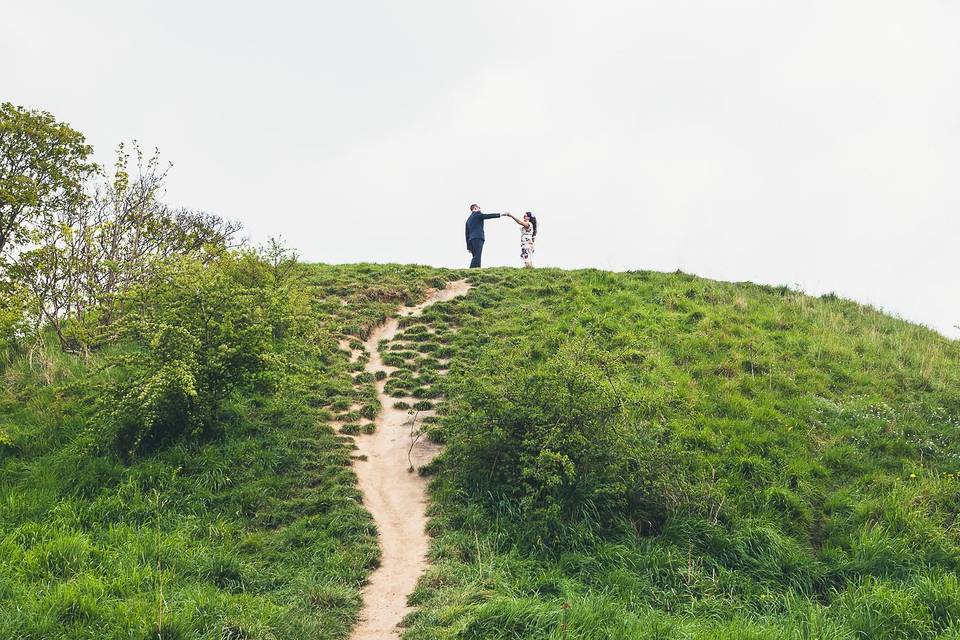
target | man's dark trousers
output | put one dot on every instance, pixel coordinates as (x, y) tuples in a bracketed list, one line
[(476, 248)]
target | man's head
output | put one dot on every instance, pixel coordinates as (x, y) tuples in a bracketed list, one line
[(474, 207)]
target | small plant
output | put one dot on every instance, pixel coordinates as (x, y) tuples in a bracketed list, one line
[(340, 403), (393, 360)]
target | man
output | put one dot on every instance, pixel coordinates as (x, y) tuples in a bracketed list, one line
[(475, 236)]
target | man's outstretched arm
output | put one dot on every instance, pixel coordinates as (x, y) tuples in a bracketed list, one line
[(487, 216)]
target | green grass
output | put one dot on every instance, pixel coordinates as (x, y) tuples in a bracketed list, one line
[(634, 455), (791, 464), (257, 533)]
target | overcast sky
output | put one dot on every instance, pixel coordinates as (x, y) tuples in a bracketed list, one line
[(814, 144)]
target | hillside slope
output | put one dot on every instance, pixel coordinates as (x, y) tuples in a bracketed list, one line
[(648, 455), (635, 455), (251, 530)]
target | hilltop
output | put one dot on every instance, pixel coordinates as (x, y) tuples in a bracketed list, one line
[(627, 455)]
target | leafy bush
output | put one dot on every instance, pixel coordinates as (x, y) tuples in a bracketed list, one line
[(202, 332), (559, 441)]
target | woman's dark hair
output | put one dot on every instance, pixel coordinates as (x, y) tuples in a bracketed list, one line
[(533, 221)]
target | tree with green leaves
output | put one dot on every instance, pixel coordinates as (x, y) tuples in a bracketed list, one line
[(82, 259), (43, 166)]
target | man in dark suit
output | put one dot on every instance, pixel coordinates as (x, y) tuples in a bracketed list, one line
[(475, 236)]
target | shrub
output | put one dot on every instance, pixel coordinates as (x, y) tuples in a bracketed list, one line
[(557, 440), (201, 333)]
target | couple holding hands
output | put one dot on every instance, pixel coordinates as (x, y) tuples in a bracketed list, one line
[(476, 237)]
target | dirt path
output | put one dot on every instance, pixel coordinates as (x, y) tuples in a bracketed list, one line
[(395, 497)]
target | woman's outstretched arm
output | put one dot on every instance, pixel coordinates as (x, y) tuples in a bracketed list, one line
[(525, 225)]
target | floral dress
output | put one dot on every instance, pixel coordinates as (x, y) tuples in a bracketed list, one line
[(526, 243)]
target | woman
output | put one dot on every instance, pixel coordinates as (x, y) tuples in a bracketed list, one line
[(528, 234)]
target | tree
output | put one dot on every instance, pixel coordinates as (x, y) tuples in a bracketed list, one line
[(83, 258), (73, 239), (43, 165)]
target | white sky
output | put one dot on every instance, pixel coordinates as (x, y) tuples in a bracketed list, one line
[(809, 143)]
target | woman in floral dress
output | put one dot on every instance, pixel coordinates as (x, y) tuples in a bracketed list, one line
[(528, 235)]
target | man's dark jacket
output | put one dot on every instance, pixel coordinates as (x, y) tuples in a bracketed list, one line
[(475, 225)]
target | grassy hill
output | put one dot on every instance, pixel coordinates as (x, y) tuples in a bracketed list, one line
[(634, 455), (253, 530), (650, 455)]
